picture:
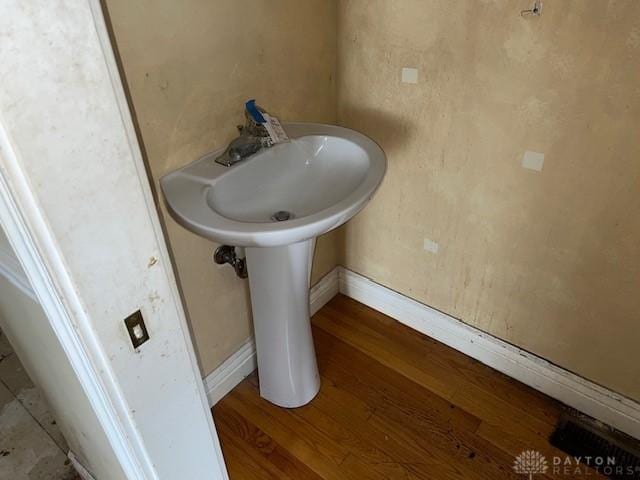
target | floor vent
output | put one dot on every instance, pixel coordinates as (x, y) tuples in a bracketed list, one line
[(611, 453)]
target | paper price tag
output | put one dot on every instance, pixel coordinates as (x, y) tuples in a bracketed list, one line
[(275, 130)]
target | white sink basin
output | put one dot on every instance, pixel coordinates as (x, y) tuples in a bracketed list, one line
[(323, 177), (319, 180)]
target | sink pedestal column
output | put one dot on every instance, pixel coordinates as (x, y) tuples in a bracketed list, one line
[(279, 282)]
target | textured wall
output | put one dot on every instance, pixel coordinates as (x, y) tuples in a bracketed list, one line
[(547, 260), (190, 65)]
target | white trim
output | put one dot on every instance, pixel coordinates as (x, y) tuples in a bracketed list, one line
[(324, 290), (28, 234), (239, 365), (232, 371), (130, 434), (583, 395), (30, 238)]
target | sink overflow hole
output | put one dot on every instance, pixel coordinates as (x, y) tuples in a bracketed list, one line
[(281, 216)]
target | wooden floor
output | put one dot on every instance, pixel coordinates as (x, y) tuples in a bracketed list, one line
[(394, 404)]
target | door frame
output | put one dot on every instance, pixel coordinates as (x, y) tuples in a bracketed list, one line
[(40, 259), (40, 256)]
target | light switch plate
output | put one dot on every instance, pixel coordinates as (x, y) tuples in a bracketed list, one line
[(137, 329)]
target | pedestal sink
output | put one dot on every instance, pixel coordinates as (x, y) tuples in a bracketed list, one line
[(275, 204)]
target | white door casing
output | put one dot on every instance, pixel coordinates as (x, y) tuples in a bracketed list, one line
[(77, 208)]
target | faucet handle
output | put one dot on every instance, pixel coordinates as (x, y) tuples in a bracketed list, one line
[(253, 128)]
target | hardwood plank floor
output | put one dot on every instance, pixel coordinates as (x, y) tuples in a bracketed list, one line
[(394, 404)]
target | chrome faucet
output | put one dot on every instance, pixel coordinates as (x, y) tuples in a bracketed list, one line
[(253, 138)]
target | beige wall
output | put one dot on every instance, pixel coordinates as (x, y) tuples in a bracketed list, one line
[(190, 66), (549, 261)]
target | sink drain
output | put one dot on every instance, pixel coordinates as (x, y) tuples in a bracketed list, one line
[(281, 216)]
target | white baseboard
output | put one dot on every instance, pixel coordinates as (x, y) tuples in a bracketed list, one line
[(232, 371), (243, 362), (324, 290), (583, 395)]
